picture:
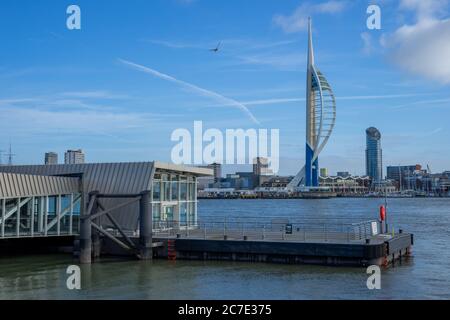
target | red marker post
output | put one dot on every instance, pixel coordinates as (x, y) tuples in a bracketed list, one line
[(382, 217)]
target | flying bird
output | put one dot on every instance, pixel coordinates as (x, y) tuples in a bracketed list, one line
[(216, 49)]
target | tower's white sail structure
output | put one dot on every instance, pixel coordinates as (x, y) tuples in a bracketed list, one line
[(320, 120)]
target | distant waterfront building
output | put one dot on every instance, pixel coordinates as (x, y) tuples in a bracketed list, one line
[(210, 181), (261, 167), (217, 169), (74, 157), (51, 158), (398, 172), (261, 171), (277, 182), (323, 172), (374, 156), (350, 185), (343, 174)]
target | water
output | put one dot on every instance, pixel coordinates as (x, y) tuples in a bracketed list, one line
[(424, 276)]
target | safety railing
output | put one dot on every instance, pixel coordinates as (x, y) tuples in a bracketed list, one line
[(276, 230)]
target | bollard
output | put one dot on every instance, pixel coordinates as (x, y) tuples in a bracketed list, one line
[(145, 227)]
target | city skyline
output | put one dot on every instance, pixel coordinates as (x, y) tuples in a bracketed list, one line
[(66, 88)]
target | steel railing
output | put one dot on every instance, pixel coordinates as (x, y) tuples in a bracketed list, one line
[(275, 230)]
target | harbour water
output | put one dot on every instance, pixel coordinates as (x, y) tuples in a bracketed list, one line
[(426, 275)]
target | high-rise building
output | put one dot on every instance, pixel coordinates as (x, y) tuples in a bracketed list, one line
[(320, 119), (51, 158), (217, 169), (74, 156), (206, 182), (374, 155), (261, 167)]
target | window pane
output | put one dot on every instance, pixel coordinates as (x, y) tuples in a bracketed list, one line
[(11, 222), (156, 191), (174, 191), (183, 192), (166, 191), (192, 191), (156, 212), (183, 213)]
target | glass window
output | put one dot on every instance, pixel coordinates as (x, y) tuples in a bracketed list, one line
[(11, 222), (174, 190), (166, 186), (157, 191), (191, 191), (156, 212), (65, 211), (183, 213), (25, 218), (191, 213), (183, 191), (168, 213), (51, 215)]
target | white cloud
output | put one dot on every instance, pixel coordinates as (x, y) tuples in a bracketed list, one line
[(277, 101), (425, 9), (368, 43), (422, 48), (280, 61), (93, 95), (298, 21), (31, 122)]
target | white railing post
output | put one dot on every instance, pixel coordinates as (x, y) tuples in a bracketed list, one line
[(18, 218), (58, 215), (32, 215), (71, 214), (41, 215), (45, 215), (3, 217)]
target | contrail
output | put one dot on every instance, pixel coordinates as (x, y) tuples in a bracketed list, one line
[(203, 92)]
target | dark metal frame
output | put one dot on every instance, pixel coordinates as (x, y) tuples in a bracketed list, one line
[(90, 242)]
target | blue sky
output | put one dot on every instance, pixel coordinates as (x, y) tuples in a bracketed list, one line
[(64, 89)]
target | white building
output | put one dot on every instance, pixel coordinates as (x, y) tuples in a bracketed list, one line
[(74, 157)]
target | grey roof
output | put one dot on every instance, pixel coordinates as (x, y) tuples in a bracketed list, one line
[(23, 185), (103, 177), (123, 178)]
